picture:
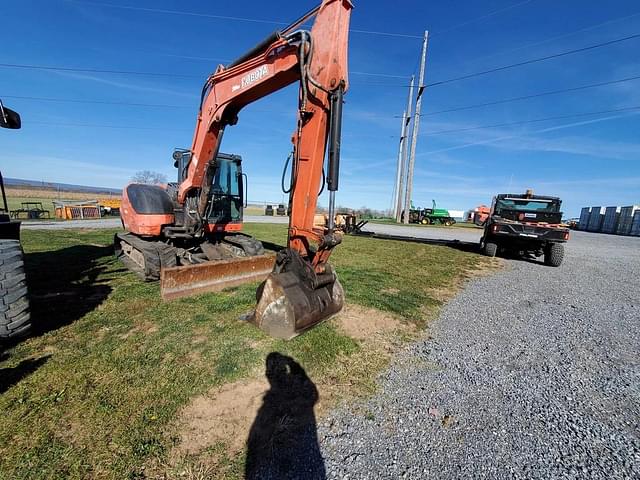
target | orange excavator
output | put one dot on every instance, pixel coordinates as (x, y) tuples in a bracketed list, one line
[(187, 234)]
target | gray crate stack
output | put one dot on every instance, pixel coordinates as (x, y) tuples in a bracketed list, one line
[(635, 224), (595, 219), (618, 220), (610, 221), (584, 218), (626, 219)]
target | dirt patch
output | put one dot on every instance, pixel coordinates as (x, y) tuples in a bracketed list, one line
[(144, 327), (364, 323), (443, 294), (222, 415), (199, 339), (484, 269)]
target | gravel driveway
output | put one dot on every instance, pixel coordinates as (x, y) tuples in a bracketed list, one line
[(530, 373)]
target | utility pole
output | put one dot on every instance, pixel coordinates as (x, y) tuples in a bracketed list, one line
[(416, 125), (402, 152), (396, 192)]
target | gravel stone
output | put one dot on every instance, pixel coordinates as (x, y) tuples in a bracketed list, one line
[(530, 373)]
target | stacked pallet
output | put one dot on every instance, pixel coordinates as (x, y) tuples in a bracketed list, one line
[(626, 219), (610, 219), (584, 218), (635, 224), (595, 219)]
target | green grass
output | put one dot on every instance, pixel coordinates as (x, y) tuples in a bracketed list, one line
[(94, 392)]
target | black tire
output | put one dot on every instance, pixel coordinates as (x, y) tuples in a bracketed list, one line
[(554, 254), (15, 316), (490, 249)]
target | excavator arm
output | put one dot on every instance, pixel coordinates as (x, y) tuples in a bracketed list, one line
[(318, 60), (302, 290)]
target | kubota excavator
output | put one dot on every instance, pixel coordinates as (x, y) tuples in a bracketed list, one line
[(188, 233)]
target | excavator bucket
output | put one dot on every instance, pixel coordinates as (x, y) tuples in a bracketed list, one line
[(294, 298), (176, 282)]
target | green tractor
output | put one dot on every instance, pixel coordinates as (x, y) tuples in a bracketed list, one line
[(431, 216)]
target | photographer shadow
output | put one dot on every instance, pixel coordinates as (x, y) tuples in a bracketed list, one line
[(283, 440)]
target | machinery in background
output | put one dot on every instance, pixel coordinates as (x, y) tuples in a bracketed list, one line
[(15, 315), (343, 222), (478, 215), (189, 233), (431, 216), (526, 224)]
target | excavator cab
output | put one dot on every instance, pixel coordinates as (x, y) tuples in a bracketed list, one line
[(227, 195)]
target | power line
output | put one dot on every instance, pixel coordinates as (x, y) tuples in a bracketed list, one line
[(155, 74), (482, 17), (534, 60), (536, 120), (558, 37), (97, 125), (512, 65), (533, 95), (233, 18), (448, 110), (179, 75), (387, 34), (95, 70), (275, 22), (378, 74), (508, 137), (99, 102), (443, 82), (179, 12)]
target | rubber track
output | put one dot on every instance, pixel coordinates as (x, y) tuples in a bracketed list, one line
[(250, 245), (156, 256)]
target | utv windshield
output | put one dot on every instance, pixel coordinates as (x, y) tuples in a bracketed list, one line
[(529, 205)]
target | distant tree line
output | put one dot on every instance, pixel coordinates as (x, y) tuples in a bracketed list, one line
[(149, 177)]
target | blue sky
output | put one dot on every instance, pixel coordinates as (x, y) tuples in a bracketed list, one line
[(589, 160)]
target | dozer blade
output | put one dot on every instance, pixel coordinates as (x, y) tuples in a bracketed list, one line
[(294, 299), (176, 282)]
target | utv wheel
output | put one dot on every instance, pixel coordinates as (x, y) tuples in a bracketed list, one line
[(554, 254), (490, 249), (15, 318)]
